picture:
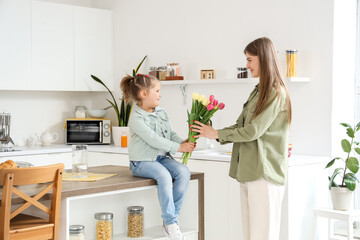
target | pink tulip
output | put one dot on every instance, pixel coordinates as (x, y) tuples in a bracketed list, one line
[(221, 106), (211, 98), (210, 107), (215, 103)]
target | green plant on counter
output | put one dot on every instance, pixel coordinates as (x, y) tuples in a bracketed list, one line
[(122, 114), (351, 163)]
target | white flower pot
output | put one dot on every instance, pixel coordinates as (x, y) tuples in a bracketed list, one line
[(341, 198), (117, 132)]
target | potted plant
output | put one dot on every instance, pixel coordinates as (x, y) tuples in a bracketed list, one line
[(122, 113), (341, 191)]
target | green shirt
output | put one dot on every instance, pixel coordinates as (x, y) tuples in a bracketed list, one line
[(261, 144)]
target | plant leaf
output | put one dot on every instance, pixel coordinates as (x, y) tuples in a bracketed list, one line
[(353, 164), (350, 183), (357, 127), (137, 69), (346, 125), (350, 132), (357, 150), (335, 173), (116, 110), (330, 163), (346, 145)]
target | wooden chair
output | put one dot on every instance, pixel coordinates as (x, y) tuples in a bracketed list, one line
[(14, 225)]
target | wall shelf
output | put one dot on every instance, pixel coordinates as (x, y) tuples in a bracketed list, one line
[(227, 81), (184, 83)]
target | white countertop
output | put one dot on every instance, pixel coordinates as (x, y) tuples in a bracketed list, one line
[(206, 155)]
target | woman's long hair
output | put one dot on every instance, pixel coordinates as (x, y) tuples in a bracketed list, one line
[(270, 76)]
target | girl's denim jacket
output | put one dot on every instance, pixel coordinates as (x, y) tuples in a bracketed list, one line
[(150, 133)]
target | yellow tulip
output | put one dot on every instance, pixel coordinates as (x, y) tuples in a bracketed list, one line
[(201, 98), (206, 102), (195, 96)]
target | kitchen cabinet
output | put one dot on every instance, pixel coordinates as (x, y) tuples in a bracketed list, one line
[(56, 47), (52, 46), (15, 47), (93, 39), (216, 197)]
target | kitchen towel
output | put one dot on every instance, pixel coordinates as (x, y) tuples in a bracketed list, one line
[(92, 177)]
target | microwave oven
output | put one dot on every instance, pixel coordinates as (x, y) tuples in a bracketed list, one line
[(87, 131)]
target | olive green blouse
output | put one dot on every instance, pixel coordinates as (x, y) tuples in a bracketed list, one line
[(261, 144)]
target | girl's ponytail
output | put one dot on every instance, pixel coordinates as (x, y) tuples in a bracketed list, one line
[(131, 86)]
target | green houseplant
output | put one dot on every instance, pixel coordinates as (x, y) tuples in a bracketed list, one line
[(341, 191), (122, 113)]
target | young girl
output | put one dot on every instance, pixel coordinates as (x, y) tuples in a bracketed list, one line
[(153, 140), (260, 137)]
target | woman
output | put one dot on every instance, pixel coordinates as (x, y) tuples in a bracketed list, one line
[(260, 137)]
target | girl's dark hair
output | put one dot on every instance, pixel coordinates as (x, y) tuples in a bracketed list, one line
[(270, 74), (131, 86)]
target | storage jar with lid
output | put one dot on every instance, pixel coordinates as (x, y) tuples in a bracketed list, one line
[(77, 232), (291, 63), (242, 72), (104, 226), (154, 72), (163, 73), (80, 112), (135, 223)]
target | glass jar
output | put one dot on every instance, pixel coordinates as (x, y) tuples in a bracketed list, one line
[(242, 72), (80, 112), (154, 72), (104, 226), (77, 232), (135, 223), (162, 73), (173, 69), (291, 62), (79, 161)]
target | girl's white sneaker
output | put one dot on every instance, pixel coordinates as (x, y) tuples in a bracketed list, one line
[(173, 232)]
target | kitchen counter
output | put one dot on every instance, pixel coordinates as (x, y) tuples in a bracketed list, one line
[(204, 154)]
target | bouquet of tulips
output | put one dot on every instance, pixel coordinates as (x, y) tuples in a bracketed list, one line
[(202, 110)]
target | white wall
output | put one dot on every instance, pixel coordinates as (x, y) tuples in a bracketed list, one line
[(212, 34)]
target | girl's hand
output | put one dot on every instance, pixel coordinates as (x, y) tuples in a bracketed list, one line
[(204, 130), (186, 147)]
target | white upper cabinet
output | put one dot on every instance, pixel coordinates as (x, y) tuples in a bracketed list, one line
[(52, 46), (93, 39), (14, 44)]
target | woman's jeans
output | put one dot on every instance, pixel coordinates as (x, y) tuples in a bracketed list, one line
[(165, 171)]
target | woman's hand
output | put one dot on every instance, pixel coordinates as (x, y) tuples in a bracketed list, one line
[(204, 130), (186, 147)]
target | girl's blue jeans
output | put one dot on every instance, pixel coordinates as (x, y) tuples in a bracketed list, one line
[(172, 179)]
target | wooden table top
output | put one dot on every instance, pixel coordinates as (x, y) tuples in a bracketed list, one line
[(123, 180)]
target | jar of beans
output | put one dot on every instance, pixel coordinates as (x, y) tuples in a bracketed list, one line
[(104, 226), (135, 223)]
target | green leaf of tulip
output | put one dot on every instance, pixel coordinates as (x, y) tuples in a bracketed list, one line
[(346, 146), (353, 164)]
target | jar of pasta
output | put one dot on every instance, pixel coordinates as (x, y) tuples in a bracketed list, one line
[(104, 226), (291, 61), (135, 223)]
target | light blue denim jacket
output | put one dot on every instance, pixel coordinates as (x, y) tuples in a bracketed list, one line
[(150, 133)]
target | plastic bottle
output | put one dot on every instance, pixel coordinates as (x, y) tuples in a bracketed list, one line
[(124, 139)]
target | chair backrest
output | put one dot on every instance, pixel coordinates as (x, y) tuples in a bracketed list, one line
[(13, 181)]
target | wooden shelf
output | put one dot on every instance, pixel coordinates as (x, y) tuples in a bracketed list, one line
[(227, 81)]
